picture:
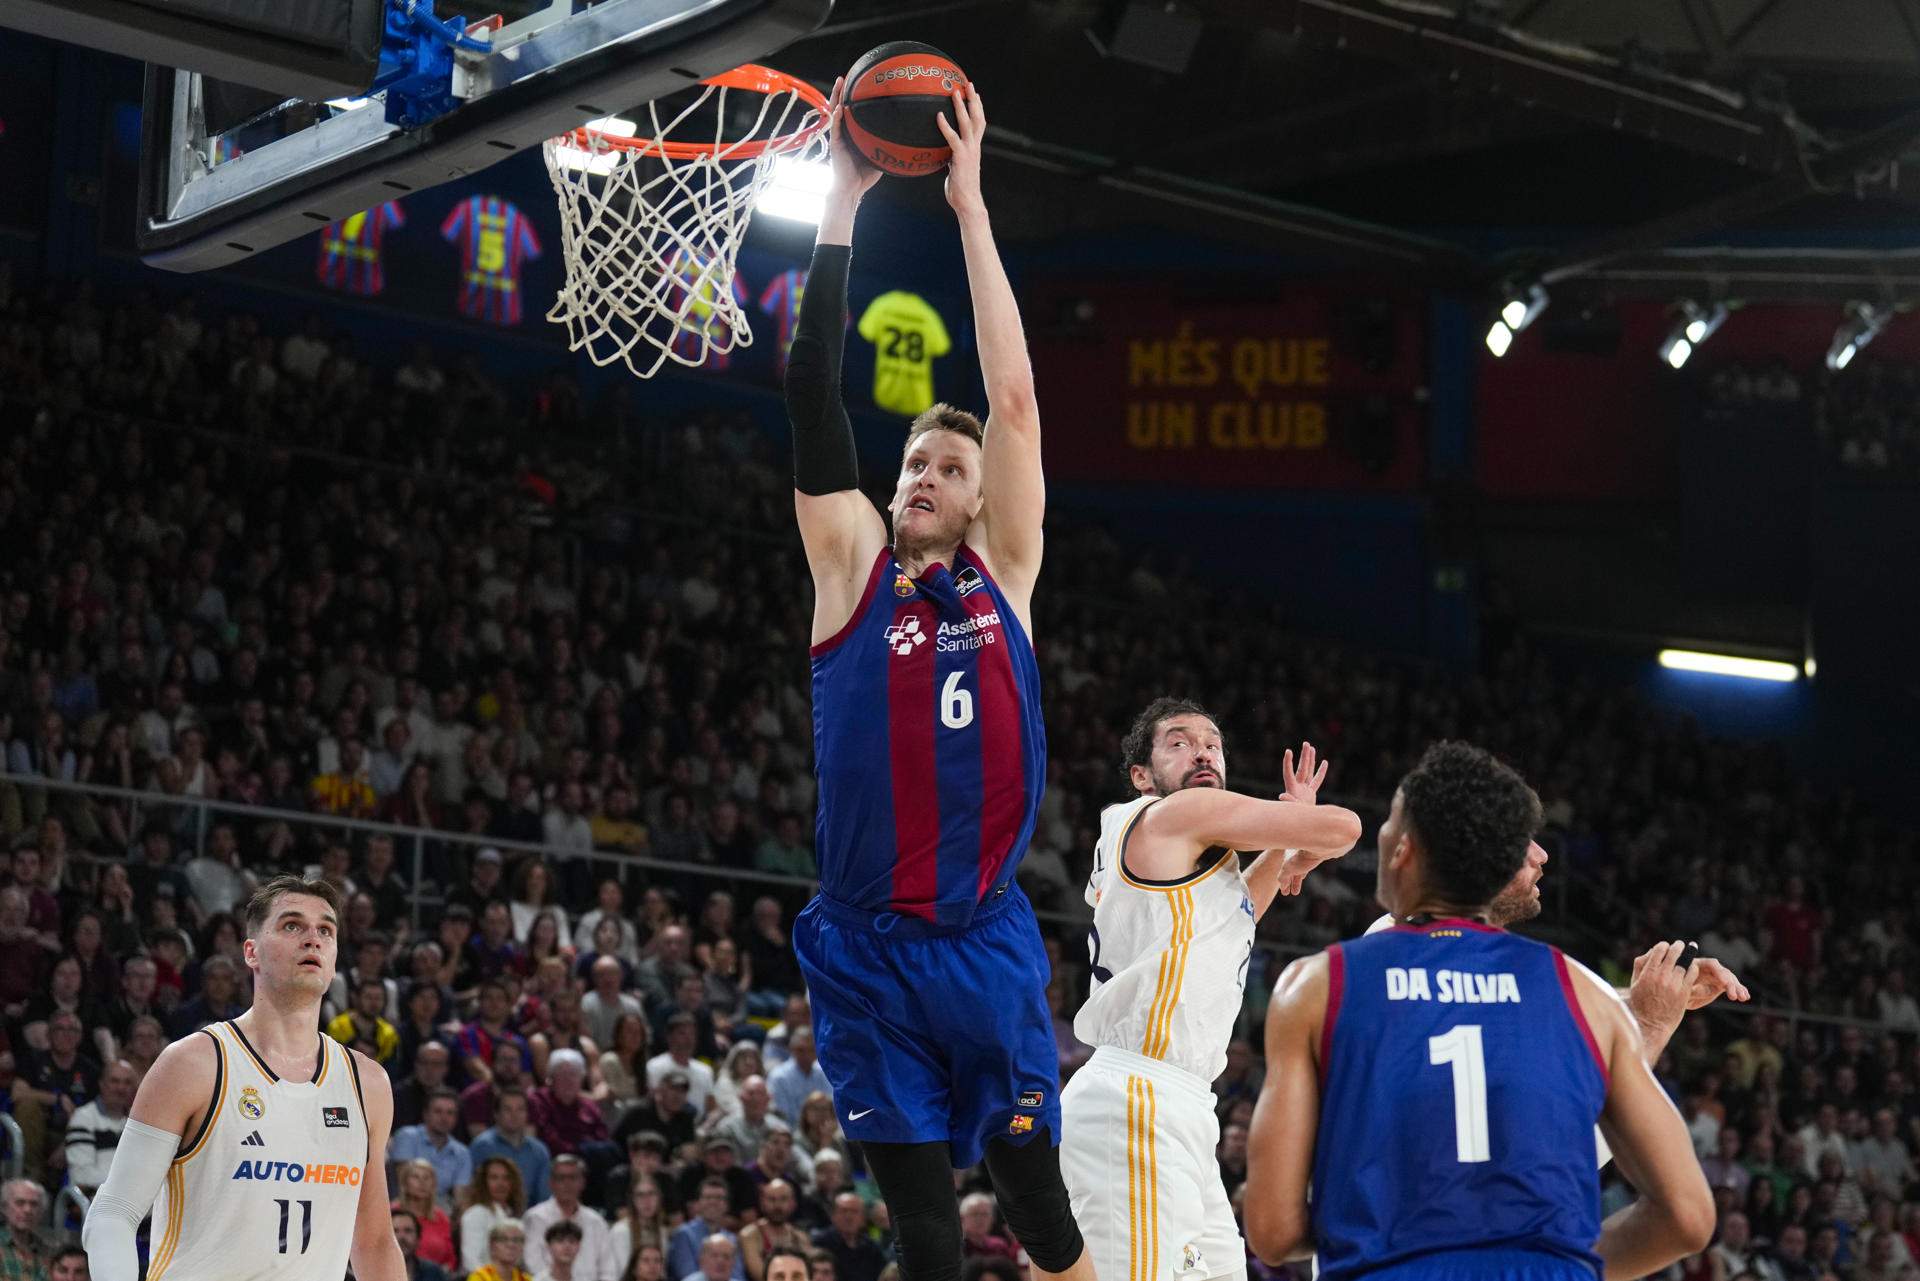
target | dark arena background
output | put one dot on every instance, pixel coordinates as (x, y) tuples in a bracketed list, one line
[(1532, 372)]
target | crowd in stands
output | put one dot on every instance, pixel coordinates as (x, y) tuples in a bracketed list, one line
[(249, 566)]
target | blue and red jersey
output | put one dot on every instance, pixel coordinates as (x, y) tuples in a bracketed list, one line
[(928, 742), (350, 250), (496, 240), (781, 300), (1460, 1084)]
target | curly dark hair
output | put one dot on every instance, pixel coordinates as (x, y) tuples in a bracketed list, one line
[(1475, 816), (1137, 747)]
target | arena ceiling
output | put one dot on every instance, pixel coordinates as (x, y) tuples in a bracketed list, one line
[(1381, 131)]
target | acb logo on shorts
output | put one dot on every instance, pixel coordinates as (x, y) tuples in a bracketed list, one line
[(251, 1105), (1032, 1099)]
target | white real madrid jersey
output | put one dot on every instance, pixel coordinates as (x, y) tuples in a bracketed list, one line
[(268, 1188), (1169, 960)]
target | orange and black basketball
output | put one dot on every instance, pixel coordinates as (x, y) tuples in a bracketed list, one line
[(894, 94)]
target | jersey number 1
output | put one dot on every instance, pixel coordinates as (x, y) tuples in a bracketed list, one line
[(306, 1223), (1461, 1047)]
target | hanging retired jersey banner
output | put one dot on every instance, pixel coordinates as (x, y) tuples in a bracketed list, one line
[(351, 250), (495, 240), (907, 336), (1314, 385)]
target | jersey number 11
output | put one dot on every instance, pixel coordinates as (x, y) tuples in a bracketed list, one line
[(306, 1223)]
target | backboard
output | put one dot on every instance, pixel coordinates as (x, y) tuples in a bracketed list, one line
[(227, 172)]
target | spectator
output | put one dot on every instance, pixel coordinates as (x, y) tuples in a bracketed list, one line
[(855, 1255), (433, 1142), (495, 1196), (706, 1218), (773, 1231), (623, 1068), (719, 1260), (642, 1226), (743, 1060), (564, 1206), (690, 1000), (25, 1250), (755, 1121), (1734, 1253), (406, 1231), (532, 897), (1881, 1160), (418, 1194), (480, 1101), (785, 1264), (430, 1065), (679, 1034), (1724, 1169), (506, 1248), (646, 1164), (609, 905), (478, 1038), (69, 1264), (665, 1111), (563, 1248), (94, 1131), (570, 1121), (510, 1137), (798, 1077), (605, 1003), (720, 1160), (346, 790), (366, 1021), (795, 1014), (648, 1263)]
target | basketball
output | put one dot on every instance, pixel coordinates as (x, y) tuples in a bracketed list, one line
[(894, 94)]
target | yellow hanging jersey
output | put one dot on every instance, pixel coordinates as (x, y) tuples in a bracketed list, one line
[(269, 1187), (907, 334)]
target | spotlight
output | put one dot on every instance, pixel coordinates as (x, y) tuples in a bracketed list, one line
[(1695, 325), (1863, 324), (1521, 309)]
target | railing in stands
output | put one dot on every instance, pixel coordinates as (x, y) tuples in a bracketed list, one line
[(72, 1198)]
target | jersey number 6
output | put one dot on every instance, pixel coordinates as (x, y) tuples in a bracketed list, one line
[(956, 705)]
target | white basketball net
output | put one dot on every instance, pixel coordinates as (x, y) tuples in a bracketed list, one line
[(650, 241)]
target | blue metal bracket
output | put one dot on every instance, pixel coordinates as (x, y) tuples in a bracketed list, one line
[(416, 62)]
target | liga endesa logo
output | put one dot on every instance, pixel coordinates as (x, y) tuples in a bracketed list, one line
[(294, 1172)]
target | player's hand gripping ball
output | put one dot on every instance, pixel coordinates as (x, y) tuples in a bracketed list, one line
[(894, 98)]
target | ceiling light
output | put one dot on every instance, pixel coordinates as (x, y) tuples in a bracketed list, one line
[(1695, 325), (1863, 324), (1753, 669)]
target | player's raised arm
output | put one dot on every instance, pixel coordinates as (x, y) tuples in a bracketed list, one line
[(1674, 1216), (376, 1254), (172, 1102), (841, 530), (1015, 489), (1286, 1118), (1195, 819)]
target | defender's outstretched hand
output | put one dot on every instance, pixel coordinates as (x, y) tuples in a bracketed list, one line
[(963, 133), (853, 175)]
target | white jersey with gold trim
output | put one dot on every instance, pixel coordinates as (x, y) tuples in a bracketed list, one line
[(1169, 961), (269, 1187)]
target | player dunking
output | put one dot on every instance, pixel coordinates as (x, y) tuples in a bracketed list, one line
[(1173, 918), (921, 955), (1436, 1084), (263, 1141)]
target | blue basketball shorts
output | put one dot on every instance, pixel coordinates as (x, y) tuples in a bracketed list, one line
[(1497, 1264), (931, 1037)]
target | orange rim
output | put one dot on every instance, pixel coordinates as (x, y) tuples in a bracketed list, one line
[(752, 77)]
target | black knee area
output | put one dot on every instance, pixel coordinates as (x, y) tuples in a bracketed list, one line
[(1033, 1198), (916, 1179)]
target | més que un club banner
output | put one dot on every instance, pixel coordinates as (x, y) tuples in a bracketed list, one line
[(1306, 385)]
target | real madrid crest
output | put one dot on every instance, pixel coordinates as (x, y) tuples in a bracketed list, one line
[(252, 1106)]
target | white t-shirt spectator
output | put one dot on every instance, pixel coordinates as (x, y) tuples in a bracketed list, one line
[(595, 1261), (1899, 1011)]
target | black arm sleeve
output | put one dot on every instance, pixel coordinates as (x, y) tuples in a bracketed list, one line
[(824, 461)]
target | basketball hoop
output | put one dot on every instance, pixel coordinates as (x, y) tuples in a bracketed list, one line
[(651, 224)]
